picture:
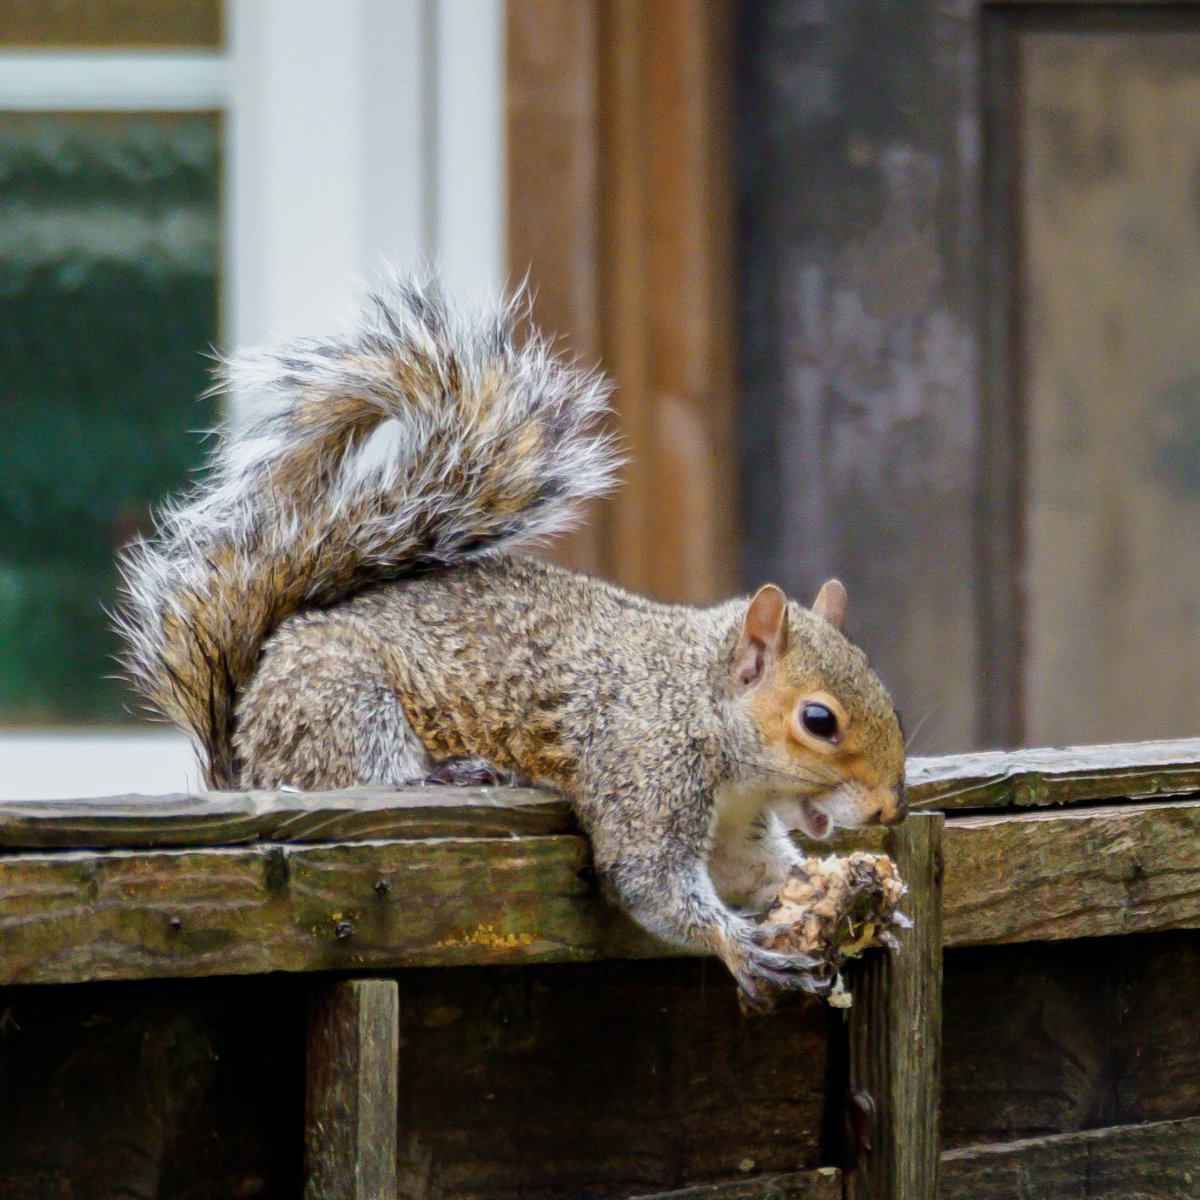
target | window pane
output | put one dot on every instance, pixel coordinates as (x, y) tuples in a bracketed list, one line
[(108, 302)]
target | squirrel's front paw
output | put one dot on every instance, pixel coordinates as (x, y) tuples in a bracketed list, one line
[(762, 973), (828, 911)]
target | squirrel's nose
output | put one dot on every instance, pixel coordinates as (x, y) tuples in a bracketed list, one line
[(896, 816)]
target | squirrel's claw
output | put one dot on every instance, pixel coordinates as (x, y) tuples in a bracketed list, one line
[(462, 770), (759, 992), (765, 936), (763, 973)]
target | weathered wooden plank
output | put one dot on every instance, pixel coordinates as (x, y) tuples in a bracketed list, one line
[(80, 915), (1035, 778), (895, 1034), (1104, 325), (1141, 1162), (351, 1097), (237, 818), (1023, 778), (75, 915), (859, 255), (601, 1080), (1072, 873), (825, 1183), (1057, 1037)]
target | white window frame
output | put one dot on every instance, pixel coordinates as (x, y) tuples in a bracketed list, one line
[(362, 132), (357, 133)]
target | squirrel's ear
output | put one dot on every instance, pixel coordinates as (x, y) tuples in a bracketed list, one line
[(763, 637), (831, 603)]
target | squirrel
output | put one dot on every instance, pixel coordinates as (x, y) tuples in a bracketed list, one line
[(339, 603)]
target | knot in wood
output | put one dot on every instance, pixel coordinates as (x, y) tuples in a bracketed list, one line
[(276, 868)]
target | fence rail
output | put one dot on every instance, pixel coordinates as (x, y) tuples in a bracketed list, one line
[(245, 883), (1010, 779), (1035, 846)]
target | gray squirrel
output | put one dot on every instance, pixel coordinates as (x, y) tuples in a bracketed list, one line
[(340, 604)]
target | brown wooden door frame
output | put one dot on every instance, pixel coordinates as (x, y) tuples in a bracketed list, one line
[(621, 214)]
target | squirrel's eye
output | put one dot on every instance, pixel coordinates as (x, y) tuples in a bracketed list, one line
[(819, 721)]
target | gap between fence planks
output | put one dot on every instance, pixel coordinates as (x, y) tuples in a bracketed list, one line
[(76, 915), (352, 1090), (1022, 778)]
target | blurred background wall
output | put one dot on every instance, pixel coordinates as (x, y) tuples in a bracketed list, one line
[(896, 290)]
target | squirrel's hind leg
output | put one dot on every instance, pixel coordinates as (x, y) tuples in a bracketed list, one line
[(321, 713)]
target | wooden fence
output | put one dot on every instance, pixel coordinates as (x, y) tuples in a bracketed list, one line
[(363, 889)]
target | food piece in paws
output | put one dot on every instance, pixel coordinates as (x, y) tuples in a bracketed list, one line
[(835, 908)]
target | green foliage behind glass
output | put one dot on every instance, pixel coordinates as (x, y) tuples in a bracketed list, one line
[(108, 306)]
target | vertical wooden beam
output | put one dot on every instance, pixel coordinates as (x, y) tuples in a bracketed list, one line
[(691, 252), (667, 297), (621, 210), (553, 194), (896, 1034), (351, 1096), (625, 225)]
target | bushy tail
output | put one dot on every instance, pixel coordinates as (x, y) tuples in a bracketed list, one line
[(425, 439)]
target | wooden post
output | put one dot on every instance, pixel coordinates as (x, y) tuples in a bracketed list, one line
[(351, 1097), (896, 1036)]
